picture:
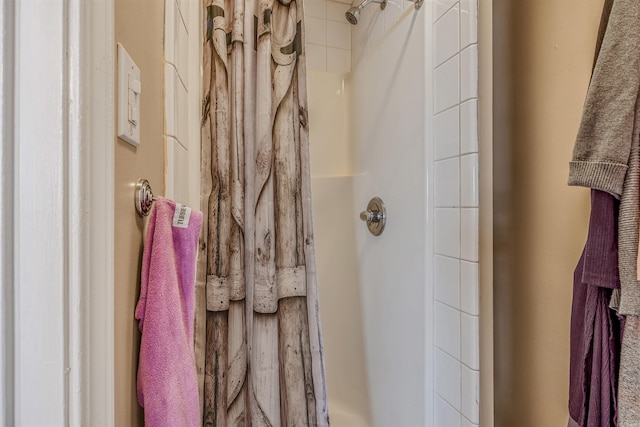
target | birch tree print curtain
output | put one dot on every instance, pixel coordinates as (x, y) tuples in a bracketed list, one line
[(258, 339)]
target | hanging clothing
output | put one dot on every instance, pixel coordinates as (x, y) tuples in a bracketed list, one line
[(167, 384), (601, 152), (606, 154), (629, 302), (595, 328), (629, 383), (607, 157)]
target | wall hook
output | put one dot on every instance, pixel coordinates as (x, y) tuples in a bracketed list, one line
[(143, 197)]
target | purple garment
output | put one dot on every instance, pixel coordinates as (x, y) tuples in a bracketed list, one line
[(595, 328)]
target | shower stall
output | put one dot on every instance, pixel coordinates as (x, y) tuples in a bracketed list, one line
[(392, 114), (392, 107)]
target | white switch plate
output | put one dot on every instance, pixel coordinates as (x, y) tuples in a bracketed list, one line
[(129, 92)]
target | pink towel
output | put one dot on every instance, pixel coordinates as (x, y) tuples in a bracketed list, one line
[(167, 381)]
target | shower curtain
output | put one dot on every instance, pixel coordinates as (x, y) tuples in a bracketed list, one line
[(258, 338)]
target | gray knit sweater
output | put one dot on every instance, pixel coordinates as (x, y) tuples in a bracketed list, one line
[(606, 155)]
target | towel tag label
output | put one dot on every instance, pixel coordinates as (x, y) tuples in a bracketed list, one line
[(181, 216)]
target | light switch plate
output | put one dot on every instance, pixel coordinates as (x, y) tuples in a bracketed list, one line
[(129, 92)]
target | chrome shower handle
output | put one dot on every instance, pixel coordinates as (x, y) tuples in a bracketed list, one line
[(375, 216), (371, 216)]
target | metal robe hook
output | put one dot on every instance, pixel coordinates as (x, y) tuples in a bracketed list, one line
[(143, 197)]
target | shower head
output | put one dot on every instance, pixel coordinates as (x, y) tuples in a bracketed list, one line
[(353, 14)]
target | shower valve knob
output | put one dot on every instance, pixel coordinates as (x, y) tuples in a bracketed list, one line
[(375, 216), (371, 216)]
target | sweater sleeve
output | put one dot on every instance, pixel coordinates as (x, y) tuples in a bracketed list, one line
[(601, 152)]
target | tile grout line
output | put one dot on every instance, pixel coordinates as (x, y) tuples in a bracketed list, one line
[(445, 12)]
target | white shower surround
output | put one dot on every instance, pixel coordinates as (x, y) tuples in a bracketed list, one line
[(183, 79), (382, 51), (456, 318)]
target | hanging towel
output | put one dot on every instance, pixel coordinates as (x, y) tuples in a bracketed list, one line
[(167, 383)]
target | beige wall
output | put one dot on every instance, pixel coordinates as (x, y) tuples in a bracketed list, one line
[(139, 27), (543, 52)]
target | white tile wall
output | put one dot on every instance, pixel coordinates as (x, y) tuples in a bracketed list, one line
[(447, 172), (441, 6), (469, 345), (455, 61), (446, 33), (469, 407), (447, 280), (336, 11), (182, 55), (469, 73), (468, 23), (445, 414), (328, 36), (446, 91), (177, 158), (175, 106), (469, 180), (338, 60), (339, 35), (177, 138), (316, 57), (447, 329), (469, 127), (447, 378), (183, 6), (447, 231), (466, 423), (171, 17), (469, 287), (316, 31), (176, 40), (447, 133), (469, 234), (315, 9)]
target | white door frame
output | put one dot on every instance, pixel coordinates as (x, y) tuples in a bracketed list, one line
[(56, 211), (94, 41), (6, 213)]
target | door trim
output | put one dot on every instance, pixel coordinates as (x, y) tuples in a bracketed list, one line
[(90, 66), (6, 213), (57, 309), (92, 341)]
